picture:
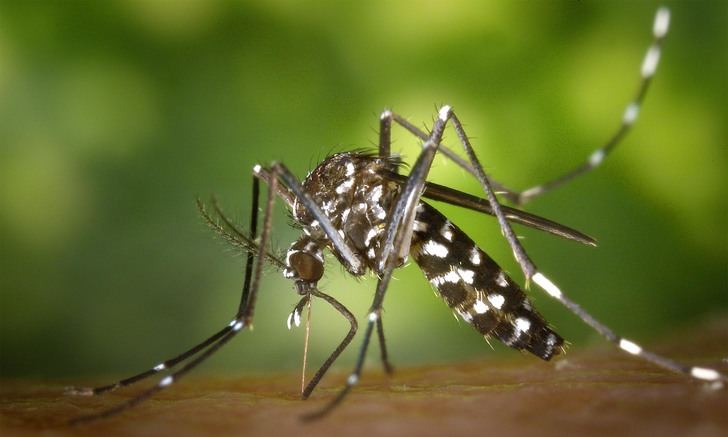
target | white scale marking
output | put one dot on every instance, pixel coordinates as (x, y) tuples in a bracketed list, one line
[(166, 381), (631, 113), (497, 300), (450, 276), (704, 374), (435, 249), (630, 347), (352, 379), (480, 307), (373, 316), (522, 325), (547, 285), (501, 279), (345, 186), (371, 234), (444, 113), (349, 169), (329, 207), (446, 232), (386, 114), (256, 169), (662, 22), (597, 157), (467, 275), (376, 193), (475, 256), (649, 65), (160, 367), (238, 326), (550, 342)]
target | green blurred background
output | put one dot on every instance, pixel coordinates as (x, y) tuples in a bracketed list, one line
[(114, 116)]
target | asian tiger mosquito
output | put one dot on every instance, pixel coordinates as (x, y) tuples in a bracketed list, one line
[(357, 205)]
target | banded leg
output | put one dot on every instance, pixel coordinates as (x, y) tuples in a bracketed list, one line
[(700, 373), (243, 319), (631, 112), (170, 363), (647, 71)]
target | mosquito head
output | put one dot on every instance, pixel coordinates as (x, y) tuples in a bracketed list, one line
[(304, 264)]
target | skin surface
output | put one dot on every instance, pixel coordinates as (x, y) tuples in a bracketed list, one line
[(598, 391)]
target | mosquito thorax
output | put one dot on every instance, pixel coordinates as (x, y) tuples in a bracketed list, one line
[(354, 194)]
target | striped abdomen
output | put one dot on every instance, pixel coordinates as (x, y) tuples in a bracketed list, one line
[(473, 285)]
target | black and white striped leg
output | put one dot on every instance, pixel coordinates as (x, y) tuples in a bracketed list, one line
[(647, 72), (237, 325), (164, 365), (242, 320), (172, 362), (631, 112), (632, 348)]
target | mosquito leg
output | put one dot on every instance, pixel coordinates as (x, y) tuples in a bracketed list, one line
[(164, 365), (339, 349), (252, 235), (527, 266), (242, 320), (171, 362), (229, 332), (383, 347), (701, 373), (353, 378), (385, 133), (647, 72)]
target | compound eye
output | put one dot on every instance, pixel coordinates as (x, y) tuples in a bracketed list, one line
[(308, 267)]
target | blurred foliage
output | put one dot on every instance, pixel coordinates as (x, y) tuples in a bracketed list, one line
[(115, 115)]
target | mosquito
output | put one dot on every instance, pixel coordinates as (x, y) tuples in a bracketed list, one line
[(358, 206)]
